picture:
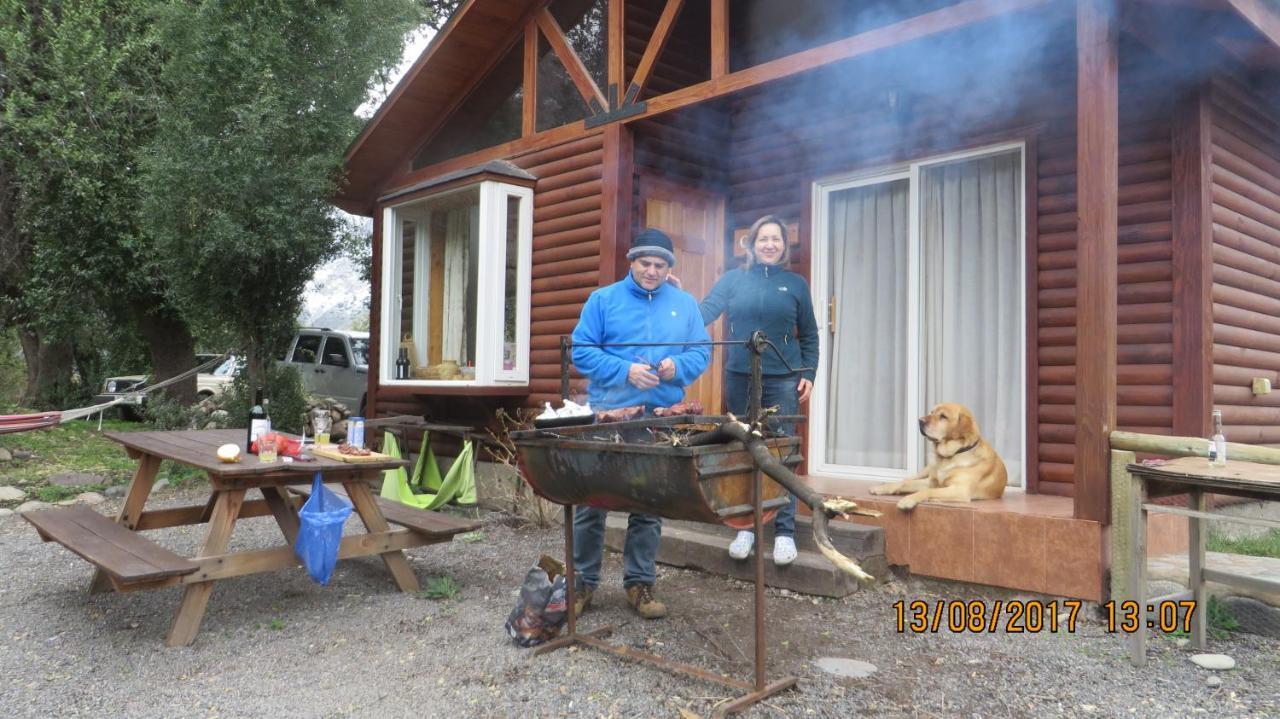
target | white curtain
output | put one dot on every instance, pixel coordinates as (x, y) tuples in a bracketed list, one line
[(972, 297), (457, 246), (868, 353)]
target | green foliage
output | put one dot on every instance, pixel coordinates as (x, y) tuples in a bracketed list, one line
[(263, 95), (276, 624), (13, 372), (1262, 545), (1221, 619), (282, 390), (72, 447), (167, 414), (443, 587)]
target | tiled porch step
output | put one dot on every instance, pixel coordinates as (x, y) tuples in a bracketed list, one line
[(705, 546)]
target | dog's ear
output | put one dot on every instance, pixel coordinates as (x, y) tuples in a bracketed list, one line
[(966, 428)]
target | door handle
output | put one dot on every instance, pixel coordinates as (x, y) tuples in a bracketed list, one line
[(319, 371)]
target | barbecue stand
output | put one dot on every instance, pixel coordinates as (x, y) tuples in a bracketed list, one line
[(538, 455)]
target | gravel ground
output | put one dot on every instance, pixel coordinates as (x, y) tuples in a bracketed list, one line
[(277, 645)]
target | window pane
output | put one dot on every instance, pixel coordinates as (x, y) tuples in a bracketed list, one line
[(512, 304), (971, 293), (686, 58), (441, 285), (491, 115), (335, 354), (868, 354), (308, 348), (360, 348)]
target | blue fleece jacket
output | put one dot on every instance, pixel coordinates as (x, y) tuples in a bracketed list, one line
[(771, 299), (626, 312)]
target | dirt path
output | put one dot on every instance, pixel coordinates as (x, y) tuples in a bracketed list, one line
[(278, 645)]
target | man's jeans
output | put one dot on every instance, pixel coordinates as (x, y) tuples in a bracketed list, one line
[(777, 391), (644, 532)]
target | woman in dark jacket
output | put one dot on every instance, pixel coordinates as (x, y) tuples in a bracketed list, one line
[(765, 295)]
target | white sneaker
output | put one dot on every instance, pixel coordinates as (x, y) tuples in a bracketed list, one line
[(740, 547), (784, 551)]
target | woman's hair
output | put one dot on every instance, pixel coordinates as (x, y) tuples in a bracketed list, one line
[(749, 240)]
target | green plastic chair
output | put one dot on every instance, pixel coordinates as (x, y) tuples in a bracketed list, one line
[(459, 483)]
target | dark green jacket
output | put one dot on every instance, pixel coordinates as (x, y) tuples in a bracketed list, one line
[(777, 301)]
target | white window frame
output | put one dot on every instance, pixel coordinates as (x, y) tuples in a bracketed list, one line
[(490, 285), (821, 192)]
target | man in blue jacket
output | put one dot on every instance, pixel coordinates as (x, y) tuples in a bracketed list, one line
[(641, 307)]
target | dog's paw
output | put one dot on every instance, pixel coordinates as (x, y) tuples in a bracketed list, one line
[(882, 489), (907, 504)]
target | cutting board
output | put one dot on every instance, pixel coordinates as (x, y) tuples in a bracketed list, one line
[(330, 451)]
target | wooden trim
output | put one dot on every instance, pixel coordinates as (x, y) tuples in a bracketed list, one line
[(572, 63), (950, 18), (657, 41), (1097, 189), (413, 392), (615, 200), (513, 149), (529, 111), (1192, 265), (375, 318), (394, 200), (1031, 238), (616, 49), (719, 38)]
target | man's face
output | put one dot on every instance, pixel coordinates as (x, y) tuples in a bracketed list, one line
[(650, 272)]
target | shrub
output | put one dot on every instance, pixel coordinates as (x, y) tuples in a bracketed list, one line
[(287, 400)]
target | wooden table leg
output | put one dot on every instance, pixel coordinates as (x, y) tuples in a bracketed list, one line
[(144, 478), (1195, 569), (282, 508), (1138, 571), (195, 597), (367, 508)]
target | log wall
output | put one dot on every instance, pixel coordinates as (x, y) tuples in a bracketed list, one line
[(1245, 208)]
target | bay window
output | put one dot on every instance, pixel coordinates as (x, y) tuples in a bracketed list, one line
[(455, 287)]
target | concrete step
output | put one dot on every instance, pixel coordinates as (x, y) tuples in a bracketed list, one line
[(705, 547)]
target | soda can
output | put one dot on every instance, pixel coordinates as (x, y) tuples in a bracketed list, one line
[(355, 431)]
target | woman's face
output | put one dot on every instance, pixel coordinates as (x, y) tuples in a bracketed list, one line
[(770, 244)]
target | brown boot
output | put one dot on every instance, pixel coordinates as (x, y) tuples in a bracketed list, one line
[(641, 599), (581, 600)]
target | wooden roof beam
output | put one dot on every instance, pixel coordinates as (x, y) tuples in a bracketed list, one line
[(657, 41), (1263, 16), (572, 63), (952, 17)]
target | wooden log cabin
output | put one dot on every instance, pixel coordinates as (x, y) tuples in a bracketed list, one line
[(1063, 214)]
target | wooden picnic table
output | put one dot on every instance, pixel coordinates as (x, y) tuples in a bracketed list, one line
[(126, 561), (1195, 477)]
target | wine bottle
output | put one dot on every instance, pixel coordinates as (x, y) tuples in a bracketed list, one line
[(402, 364), (259, 422)]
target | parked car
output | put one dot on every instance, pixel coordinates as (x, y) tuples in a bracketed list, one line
[(332, 363), (208, 384)]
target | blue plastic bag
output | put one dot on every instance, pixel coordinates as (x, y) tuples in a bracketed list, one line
[(321, 517)]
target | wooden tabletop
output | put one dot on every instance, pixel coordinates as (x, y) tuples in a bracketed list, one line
[(1235, 475), (198, 448)]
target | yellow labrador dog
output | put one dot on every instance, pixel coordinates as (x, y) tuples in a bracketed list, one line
[(964, 466)]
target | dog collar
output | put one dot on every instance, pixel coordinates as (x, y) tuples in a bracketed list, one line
[(962, 450)]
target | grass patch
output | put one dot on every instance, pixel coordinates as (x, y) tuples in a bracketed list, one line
[(1220, 621), (1263, 545), (470, 537), (445, 587), (276, 624), (76, 446)]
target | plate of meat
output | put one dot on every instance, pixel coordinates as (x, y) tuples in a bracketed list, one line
[(348, 453)]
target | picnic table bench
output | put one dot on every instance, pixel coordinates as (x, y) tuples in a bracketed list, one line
[(126, 561)]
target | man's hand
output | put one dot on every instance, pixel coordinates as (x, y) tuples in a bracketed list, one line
[(642, 377), (667, 369), (803, 389)]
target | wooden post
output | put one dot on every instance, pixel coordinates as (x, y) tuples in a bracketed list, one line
[(1192, 266), (615, 217), (1097, 189), (1121, 528), (616, 50), (529, 110), (1195, 567), (1138, 568), (719, 38), (375, 320)]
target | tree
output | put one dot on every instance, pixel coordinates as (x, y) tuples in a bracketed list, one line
[(259, 108), (76, 99)]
